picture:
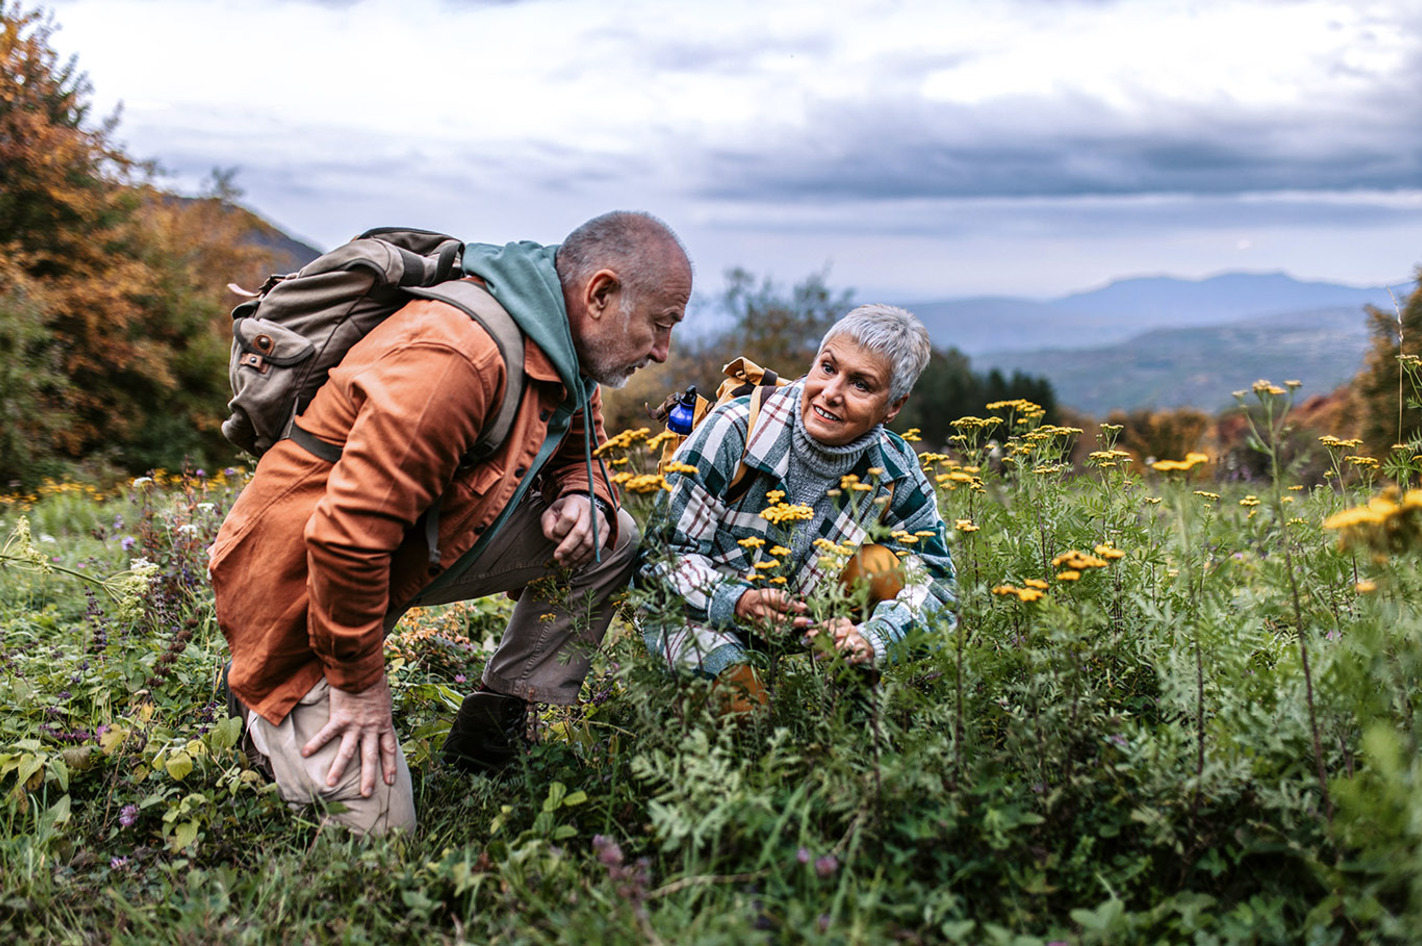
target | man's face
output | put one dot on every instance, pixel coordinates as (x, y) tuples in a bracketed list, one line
[(634, 331), (847, 393)]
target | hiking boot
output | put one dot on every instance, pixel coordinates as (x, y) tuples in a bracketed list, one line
[(487, 733)]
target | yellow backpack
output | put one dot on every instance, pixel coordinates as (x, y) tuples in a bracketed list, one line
[(743, 377)]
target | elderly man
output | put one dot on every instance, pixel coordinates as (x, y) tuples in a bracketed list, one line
[(738, 575), (317, 560)]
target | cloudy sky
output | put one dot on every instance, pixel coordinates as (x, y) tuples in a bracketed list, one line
[(921, 150)]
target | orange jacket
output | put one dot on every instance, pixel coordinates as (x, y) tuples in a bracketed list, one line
[(313, 554)]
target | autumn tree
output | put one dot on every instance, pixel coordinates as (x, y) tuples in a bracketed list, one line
[(1385, 396), (111, 292)]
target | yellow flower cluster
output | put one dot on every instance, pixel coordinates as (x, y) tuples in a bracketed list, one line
[(964, 525), (641, 483), (1073, 562), (657, 440), (1362, 462), (976, 423), (786, 512), (1206, 495), (1267, 387), (1021, 594), (1249, 501), (622, 441), (1109, 552), (955, 478), (1023, 407), (1390, 522), (1330, 441), (1192, 460), (912, 435), (676, 466), (1109, 458)]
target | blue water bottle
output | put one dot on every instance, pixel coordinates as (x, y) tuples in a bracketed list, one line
[(683, 416)]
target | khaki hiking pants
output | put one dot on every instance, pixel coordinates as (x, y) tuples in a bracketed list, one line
[(543, 657)]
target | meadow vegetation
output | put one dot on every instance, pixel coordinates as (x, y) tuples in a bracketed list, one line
[(1175, 709)]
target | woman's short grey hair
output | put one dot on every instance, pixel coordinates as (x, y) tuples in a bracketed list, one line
[(893, 333)]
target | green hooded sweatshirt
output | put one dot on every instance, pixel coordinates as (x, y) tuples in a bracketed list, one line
[(522, 277)]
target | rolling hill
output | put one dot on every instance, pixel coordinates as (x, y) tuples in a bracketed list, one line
[(1166, 342)]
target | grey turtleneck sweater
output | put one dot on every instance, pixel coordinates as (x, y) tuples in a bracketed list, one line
[(816, 468)]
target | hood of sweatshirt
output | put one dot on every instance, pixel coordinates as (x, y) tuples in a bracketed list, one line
[(521, 276)]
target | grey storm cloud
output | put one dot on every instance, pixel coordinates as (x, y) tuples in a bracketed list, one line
[(1026, 148)]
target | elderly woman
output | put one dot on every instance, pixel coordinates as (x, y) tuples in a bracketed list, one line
[(704, 545)]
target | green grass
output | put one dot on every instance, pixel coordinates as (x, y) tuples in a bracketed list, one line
[(1133, 758)]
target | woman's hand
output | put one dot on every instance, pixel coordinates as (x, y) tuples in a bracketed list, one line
[(771, 606), (856, 649)]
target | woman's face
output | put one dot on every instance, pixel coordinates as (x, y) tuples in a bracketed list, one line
[(847, 393)]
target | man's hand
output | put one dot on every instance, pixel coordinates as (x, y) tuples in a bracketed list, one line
[(773, 607), (363, 722), (568, 521), (857, 650)]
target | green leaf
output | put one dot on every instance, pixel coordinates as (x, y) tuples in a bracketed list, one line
[(29, 765), (225, 734), (184, 835), (179, 765), (59, 812), (556, 792)]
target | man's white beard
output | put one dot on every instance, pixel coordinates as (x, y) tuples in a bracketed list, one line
[(613, 376)]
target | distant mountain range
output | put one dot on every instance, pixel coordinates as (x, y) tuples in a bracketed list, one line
[(1165, 342)]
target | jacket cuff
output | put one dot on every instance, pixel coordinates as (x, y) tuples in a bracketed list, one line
[(873, 632), (722, 610), (353, 676)]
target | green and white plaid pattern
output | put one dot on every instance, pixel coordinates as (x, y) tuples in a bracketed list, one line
[(693, 543)]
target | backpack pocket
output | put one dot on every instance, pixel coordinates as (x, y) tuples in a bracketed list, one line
[(268, 365)]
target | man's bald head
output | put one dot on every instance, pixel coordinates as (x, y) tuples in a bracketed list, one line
[(642, 250), (626, 282)]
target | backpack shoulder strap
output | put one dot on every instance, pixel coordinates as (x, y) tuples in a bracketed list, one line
[(483, 308), (741, 482)]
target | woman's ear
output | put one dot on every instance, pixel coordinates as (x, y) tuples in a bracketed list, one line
[(894, 408)]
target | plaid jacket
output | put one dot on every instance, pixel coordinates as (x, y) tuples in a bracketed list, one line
[(693, 535)]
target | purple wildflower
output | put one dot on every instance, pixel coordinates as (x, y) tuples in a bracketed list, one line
[(126, 542), (128, 815), (118, 863), (803, 855), (460, 678), (609, 852), (826, 866)]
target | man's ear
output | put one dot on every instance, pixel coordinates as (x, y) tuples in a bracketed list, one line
[(602, 291), (894, 409)]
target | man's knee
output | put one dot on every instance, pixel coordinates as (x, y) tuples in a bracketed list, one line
[(624, 550)]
